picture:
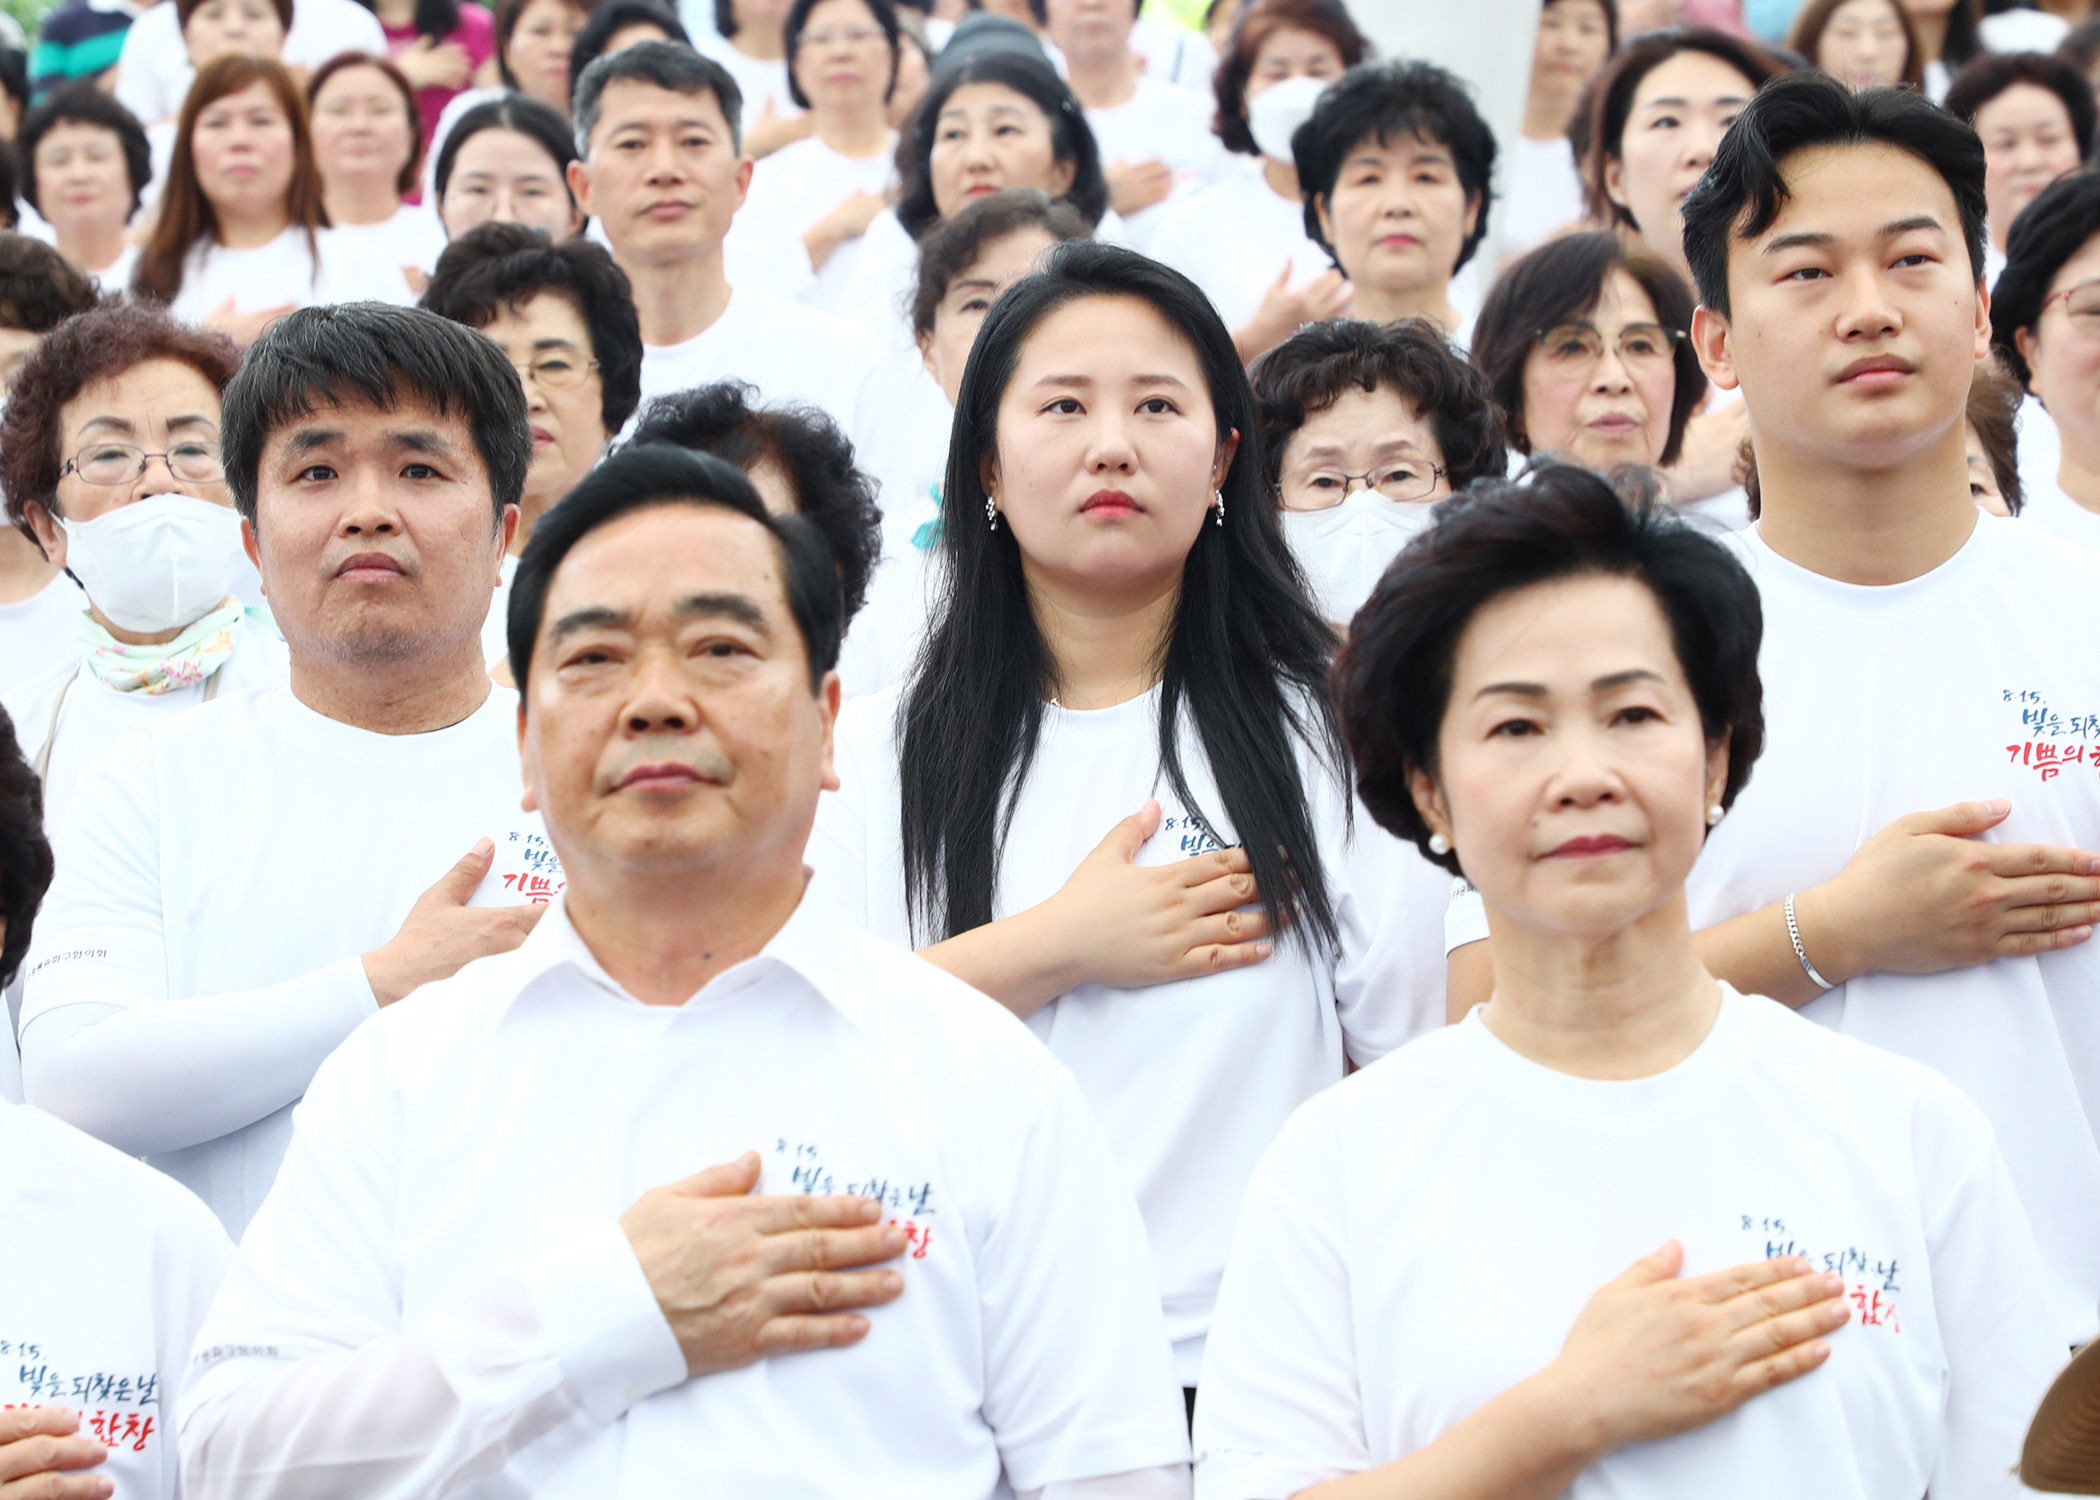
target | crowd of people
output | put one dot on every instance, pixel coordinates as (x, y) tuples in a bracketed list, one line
[(835, 747)]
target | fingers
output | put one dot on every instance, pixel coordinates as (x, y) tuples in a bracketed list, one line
[(47, 1455), (1128, 836), (26, 1421), (800, 1333), (2027, 944), (834, 1249), (2043, 909), (456, 886), (1223, 893), (59, 1487), (731, 1179), (1719, 1286), (1663, 1265), (1218, 958), (1958, 821), (1216, 864), (832, 1291), (1283, 282), (1777, 1369), (1781, 1298), (786, 1213), (1776, 1335), (2030, 861)]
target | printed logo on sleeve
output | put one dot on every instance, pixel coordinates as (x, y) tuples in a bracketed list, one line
[(1871, 1282), (807, 1173)]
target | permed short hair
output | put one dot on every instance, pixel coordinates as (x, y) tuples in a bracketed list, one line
[(25, 853), (1560, 281), (885, 15), (372, 354), (1382, 100), (659, 474), (954, 244), (2048, 232), (98, 345), (1988, 76), (1392, 681), (496, 268), (1313, 368), (617, 15), (82, 103), (804, 444), (39, 288), (1739, 195), (671, 66)]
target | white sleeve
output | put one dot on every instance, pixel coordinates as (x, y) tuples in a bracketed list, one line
[(105, 1047), (1466, 919), (305, 1381), (1389, 978), (837, 854), (1280, 1406), (191, 1254), (1169, 1482), (2002, 1340), (139, 81), (1079, 1376)]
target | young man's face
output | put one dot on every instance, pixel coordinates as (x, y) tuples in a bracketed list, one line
[(1856, 320), (663, 174)]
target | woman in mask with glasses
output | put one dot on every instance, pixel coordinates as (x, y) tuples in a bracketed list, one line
[(109, 454), (1365, 426)]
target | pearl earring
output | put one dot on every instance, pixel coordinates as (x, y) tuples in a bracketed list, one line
[(1220, 494), (1715, 814), (1438, 844), (991, 512)]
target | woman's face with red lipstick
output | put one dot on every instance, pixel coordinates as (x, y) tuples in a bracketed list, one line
[(1398, 216), (1573, 774), (1108, 449)]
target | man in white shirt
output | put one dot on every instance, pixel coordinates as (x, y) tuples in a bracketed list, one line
[(662, 170), (154, 68), (561, 1225), (241, 885), (1914, 651)]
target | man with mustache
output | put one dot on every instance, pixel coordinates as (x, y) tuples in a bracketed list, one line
[(241, 885), (698, 1191)]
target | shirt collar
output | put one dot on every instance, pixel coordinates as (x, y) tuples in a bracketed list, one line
[(809, 945)]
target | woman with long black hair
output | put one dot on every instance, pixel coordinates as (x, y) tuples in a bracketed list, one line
[(1112, 795)]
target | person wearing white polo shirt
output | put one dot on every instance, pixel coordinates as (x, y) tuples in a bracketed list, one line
[(242, 884), (697, 1191), (1707, 1247)]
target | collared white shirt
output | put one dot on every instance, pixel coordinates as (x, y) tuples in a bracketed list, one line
[(437, 1298)]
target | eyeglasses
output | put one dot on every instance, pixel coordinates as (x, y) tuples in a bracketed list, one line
[(2082, 302), (1577, 348), (1322, 489), (852, 36), (123, 463), (557, 372)]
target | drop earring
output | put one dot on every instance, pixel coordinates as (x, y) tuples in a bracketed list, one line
[(1220, 497), (1438, 844), (991, 513)]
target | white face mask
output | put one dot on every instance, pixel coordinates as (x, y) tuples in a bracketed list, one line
[(157, 563), (1344, 549), (1274, 114)]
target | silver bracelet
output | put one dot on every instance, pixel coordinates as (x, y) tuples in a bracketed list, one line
[(1793, 930)]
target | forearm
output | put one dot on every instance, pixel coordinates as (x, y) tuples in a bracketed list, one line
[(168, 1074), (1529, 1443), (1755, 953), (1016, 961)]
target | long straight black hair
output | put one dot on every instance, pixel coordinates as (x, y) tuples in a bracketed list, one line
[(1246, 656)]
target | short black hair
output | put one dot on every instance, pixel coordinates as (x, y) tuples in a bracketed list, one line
[(1392, 681), (671, 66), (520, 112), (616, 15), (1992, 73), (2047, 233), (808, 448), (652, 474), (39, 288), (2081, 44), (1560, 281), (885, 15), (496, 267), (370, 353), (1313, 368), (82, 103), (14, 73), (1071, 138), (25, 853), (953, 245), (1385, 99), (1739, 195)]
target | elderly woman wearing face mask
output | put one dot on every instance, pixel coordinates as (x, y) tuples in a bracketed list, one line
[(1243, 239), (109, 454)]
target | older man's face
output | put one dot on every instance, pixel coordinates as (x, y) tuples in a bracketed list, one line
[(669, 724), (376, 533)]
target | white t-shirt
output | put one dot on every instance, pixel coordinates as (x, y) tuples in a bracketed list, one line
[(91, 716), (40, 634), (1172, 54), (760, 81), (284, 271), (1423, 1237), (1192, 1079), (1879, 702), (790, 191), (495, 630), (154, 69), (1233, 238), (114, 279), (412, 237), (1163, 122), (1541, 192), (2049, 509), (439, 1286), (2040, 450), (106, 1271), (219, 879)]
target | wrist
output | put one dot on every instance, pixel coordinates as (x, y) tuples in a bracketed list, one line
[(1046, 949), (1563, 1410), (1825, 933), (380, 976)]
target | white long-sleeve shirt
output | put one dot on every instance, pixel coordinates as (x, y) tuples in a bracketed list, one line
[(220, 876), (437, 1299)]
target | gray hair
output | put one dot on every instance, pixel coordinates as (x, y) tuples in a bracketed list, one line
[(672, 66)]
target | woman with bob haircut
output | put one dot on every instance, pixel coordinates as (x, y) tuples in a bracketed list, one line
[(1113, 771), (1715, 1249), (1365, 428), (2035, 114), (241, 237), (1863, 44), (1542, 186), (368, 148), (85, 166), (2045, 322), (1242, 238), (507, 161)]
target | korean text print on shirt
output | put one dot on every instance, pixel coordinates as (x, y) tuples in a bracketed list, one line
[(1958, 686)]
